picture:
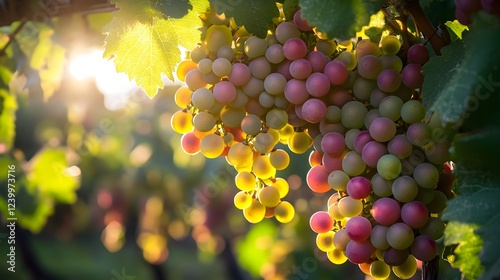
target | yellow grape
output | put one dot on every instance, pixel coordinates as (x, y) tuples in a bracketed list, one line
[(245, 181), (263, 142), (183, 97), (299, 142), (336, 256), (182, 122), (255, 212), (239, 155), (407, 269), (212, 145), (324, 241), (279, 159), (262, 167), (282, 186), (349, 60), (284, 212), (333, 211), (184, 67), (276, 135), (242, 200), (390, 44), (218, 36), (380, 270), (232, 117), (269, 196), (285, 133)]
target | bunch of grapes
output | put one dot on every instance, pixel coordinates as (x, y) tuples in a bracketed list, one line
[(359, 109), (466, 8)]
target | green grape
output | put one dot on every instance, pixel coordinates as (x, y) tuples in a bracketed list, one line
[(285, 133), (341, 239), (212, 145), (349, 60), (324, 241), (363, 88), (438, 203), (221, 67), (276, 118), (280, 159), (353, 164), (433, 228), (205, 65), (389, 167), (380, 186), (284, 212), (333, 211), (245, 181), (299, 142), (225, 52), (380, 270), (285, 31), (262, 167), (404, 189), (194, 79), (336, 256), (242, 200), (269, 196), (400, 236), (251, 124), (239, 154), (204, 121), (350, 207), (333, 114), (264, 142), (407, 269), (338, 180), (426, 175), (240, 101), (182, 97), (349, 138), (255, 212), (232, 117), (282, 186), (218, 36), (202, 99), (353, 114), (391, 61), (255, 47), (197, 54), (181, 122), (390, 107), (327, 47), (266, 100), (390, 44)]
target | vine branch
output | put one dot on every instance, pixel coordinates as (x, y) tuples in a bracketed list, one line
[(12, 37)]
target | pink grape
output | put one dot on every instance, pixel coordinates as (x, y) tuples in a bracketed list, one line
[(190, 143), (317, 179), (318, 60), (361, 139), (239, 75), (400, 146), (395, 257), (359, 187), (296, 92), (336, 72), (382, 129), (414, 214), (294, 48), (313, 110), (317, 84), (424, 248), (284, 69), (300, 22), (359, 252), (332, 163), (388, 80), (321, 222), (372, 152), (358, 228), (386, 211), (333, 143), (369, 66), (412, 76), (300, 69), (224, 92), (417, 53)]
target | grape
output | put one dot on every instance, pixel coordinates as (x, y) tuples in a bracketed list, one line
[(391, 61), (350, 136), (218, 36), (266, 100), (400, 146), (299, 142), (389, 167), (259, 67), (284, 212), (202, 99), (369, 67), (269, 196), (224, 92), (242, 200), (425, 195), (372, 115), (358, 228), (279, 159), (380, 186), (183, 97), (326, 47), (295, 91), (284, 68), (255, 47), (386, 211), (212, 145), (277, 118), (181, 122), (194, 79), (380, 270), (333, 143), (317, 179), (324, 241), (382, 129), (221, 67), (390, 44), (333, 114), (359, 188), (318, 61), (197, 54), (372, 152), (341, 239), (424, 248), (239, 154), (359, 251), (366, 47), (336, 256), (426, 175), (400, 236), (394, 257), (294, 48), (418, 54), (348, 59), (434, 228), (232, 117), (353, 164), (404, 188), (353, 114), (321, 222), (285, 31), (388, 80), (313, 110), (264, 143), (300, 69), (363, 88), (338, 180), (255, 212), (205, 65), (239, 75), (378, 237), (253, 87), (407, 269), (211, 78), (225, 52), (438, 202), (318, 84), (275, 83), (332, 163), (350, 207), (204, 121), (251, 124), (262, 167), (190, 143), (339, 97), (412, 76), (438, 153), (274, 53), (336, 72), (414, 214)]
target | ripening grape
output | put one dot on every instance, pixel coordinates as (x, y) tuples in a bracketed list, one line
[(212, 145), (255, 212), (300, 69), (372, 152), (336, 256), (224, 92), (391, 61), (390, 45), (183, 97), (194, 79), (358, 228), (426, 175), (338, 180), (239, 154), (434, 228), (299, 142), (190, 143), (382, 129), (348, 59), (225, 52), (388, 80), (284, 212), (341, 239), (282, 186), (324, 241), (369, 67), (321, 222), (386, 211), (313, 110), (395, 257), (407, 269), (400, 236), (350, 207), (353, 114), (400, 146), (424, 248), (359, 187), (285, 31), (242, 200), (353, 164), (183, 68), (317, 179), (378, 237), (264, 142), (389, 167), (259, 67), (380, 270), (417, 53), (274, 53), (276, 118), (404, 189), (366, 47), (294, 48), (269, 196), (232, 117), (380, 186), (262, 167), (412, 76), (359, 251), (255, 47), (204, 121), (181, 122), (414, 214), (362, 88), (279, 159)]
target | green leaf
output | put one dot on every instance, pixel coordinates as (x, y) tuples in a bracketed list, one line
[(289, 8), (50, 75), (251, 256), (145, 43), (51, 175), (461, 73), (456, 27), (466, 253), (339, 18), (255, 15), (8, 107)]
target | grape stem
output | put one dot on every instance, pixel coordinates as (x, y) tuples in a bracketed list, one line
[(424, 24), (430, 269)]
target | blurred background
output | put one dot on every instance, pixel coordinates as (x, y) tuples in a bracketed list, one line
[(103, 188)]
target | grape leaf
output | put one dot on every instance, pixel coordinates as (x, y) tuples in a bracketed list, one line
[(458, 74), (144, 42), (8, 107), (255, 15), (456, 27), (339, 18), (289, 8)]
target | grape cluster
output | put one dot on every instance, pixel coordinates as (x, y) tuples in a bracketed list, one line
[(466, 8), (360, 110)]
